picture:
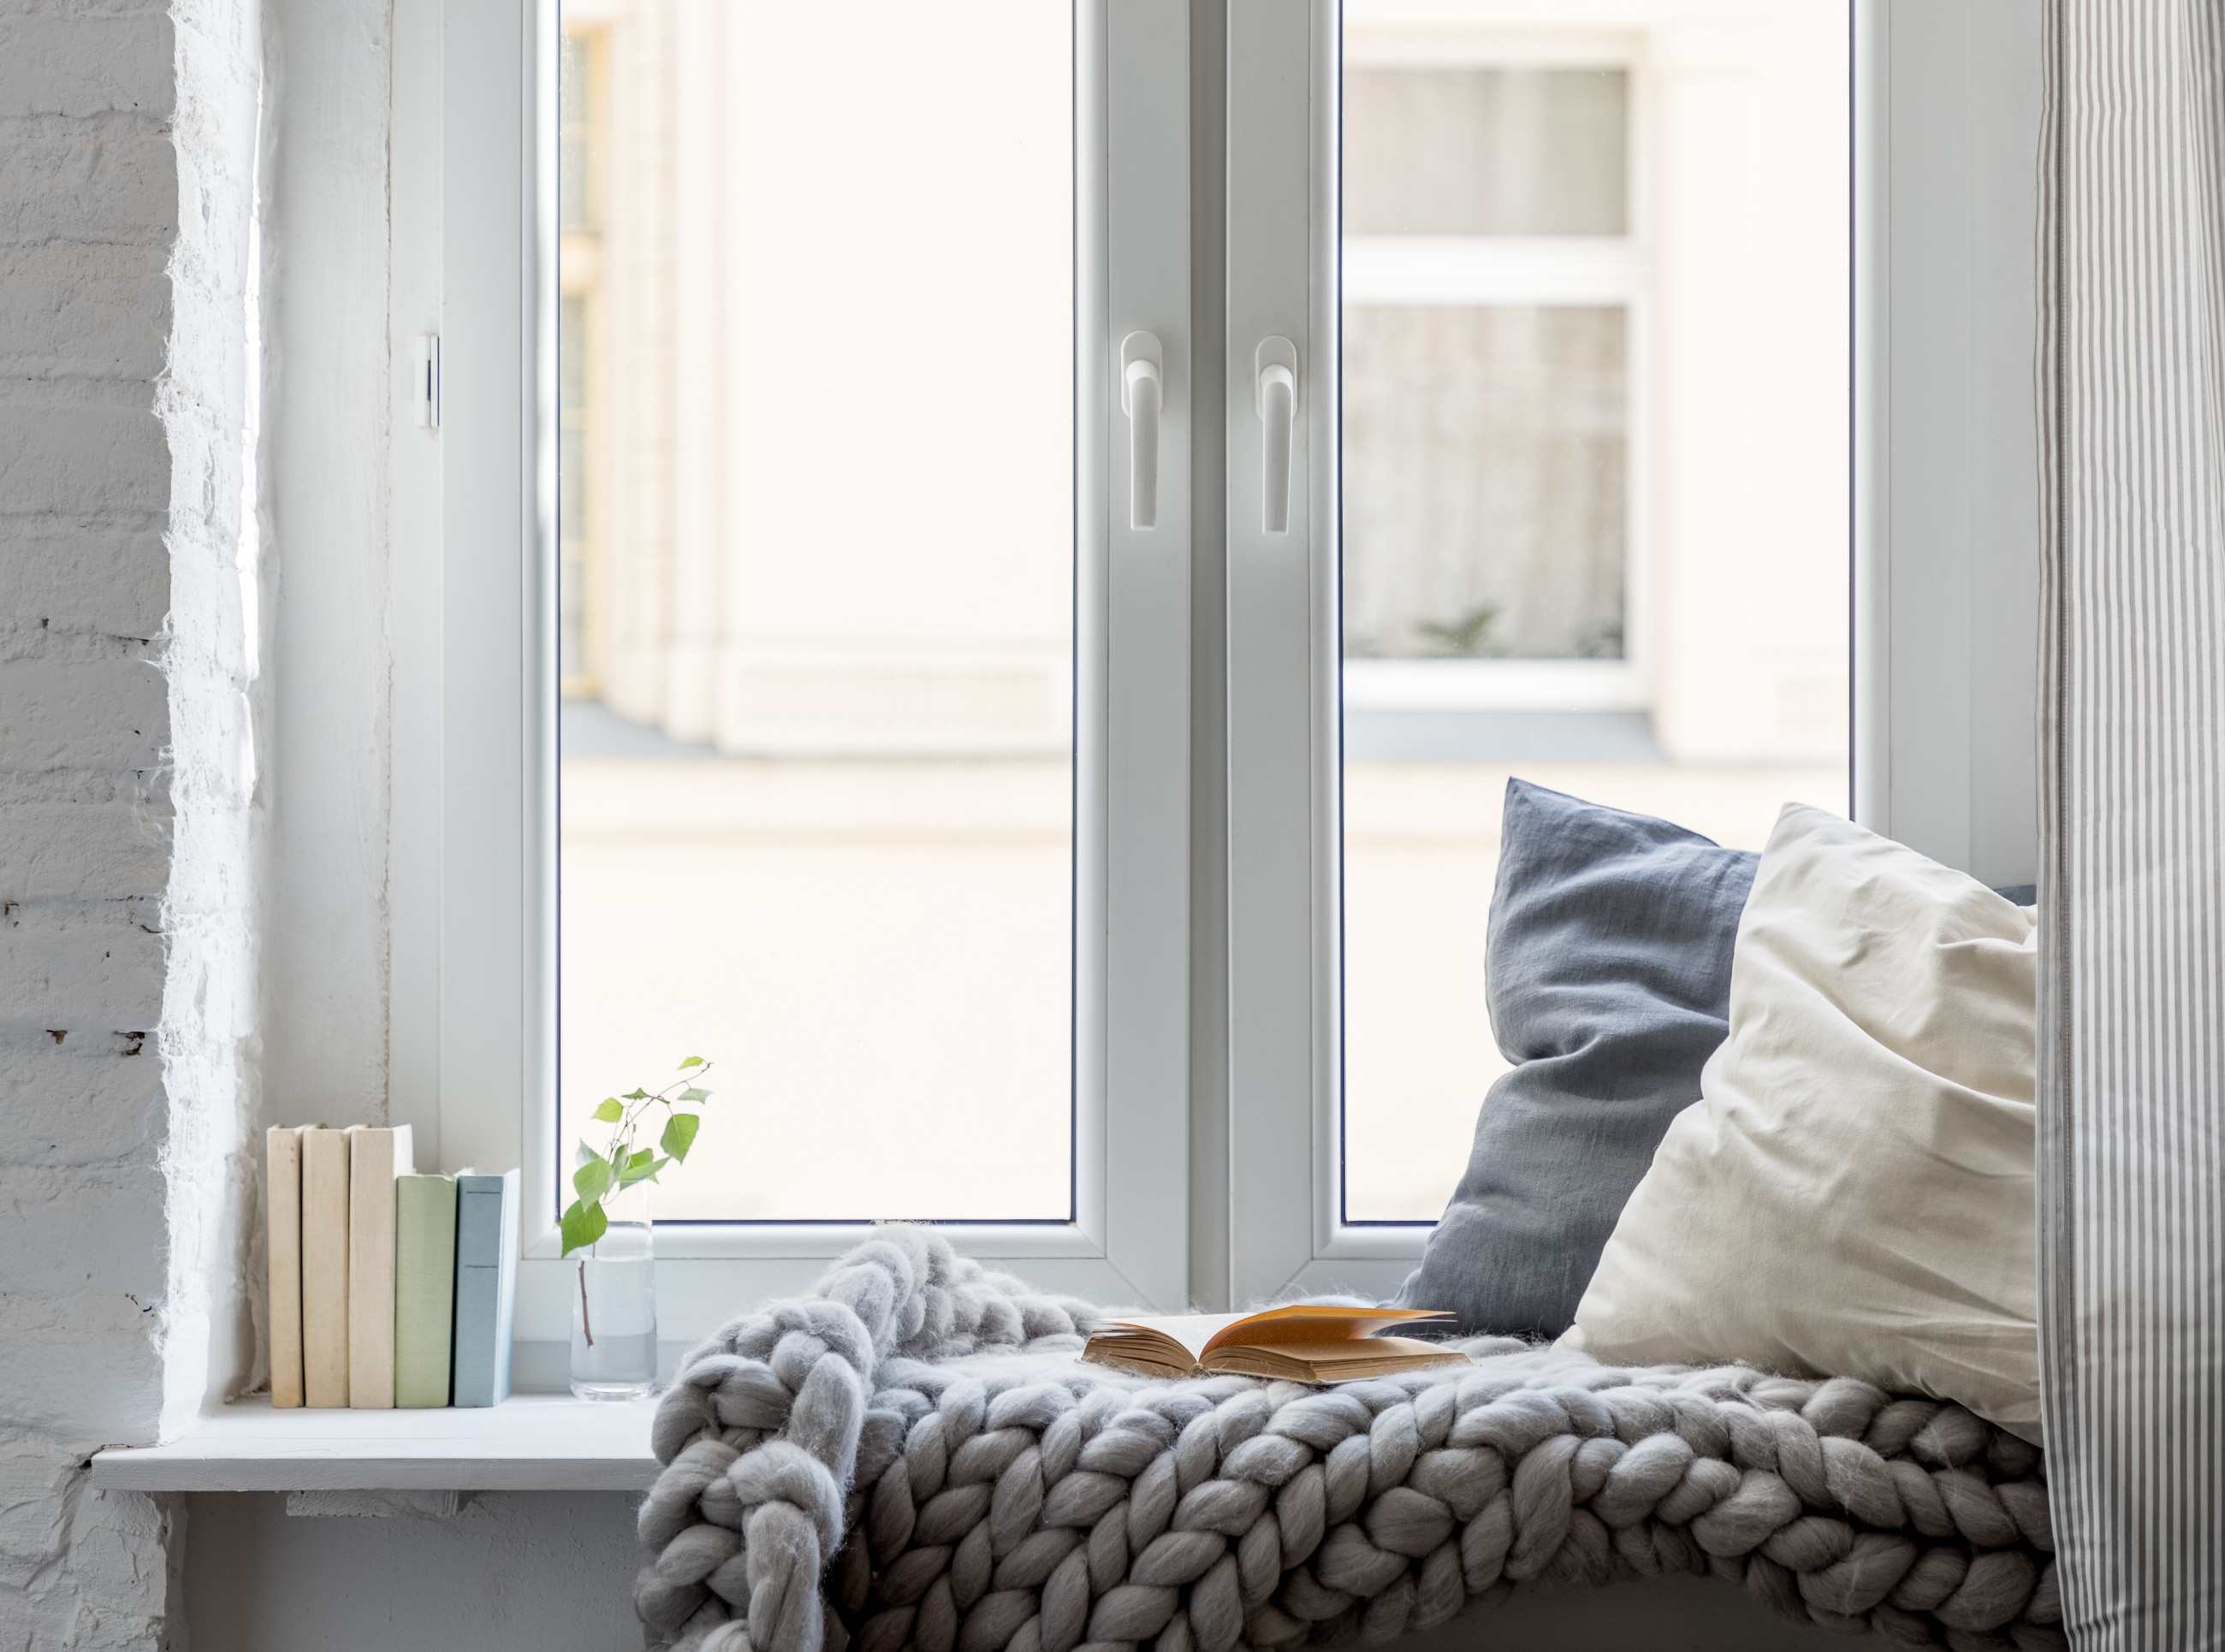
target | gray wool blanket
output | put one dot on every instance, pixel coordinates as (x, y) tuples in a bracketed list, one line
[(912, 1457)]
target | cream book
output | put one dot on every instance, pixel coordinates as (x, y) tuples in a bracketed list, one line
[(375, 1156), (1301, 1344), (282, 1205), (324, 1266)]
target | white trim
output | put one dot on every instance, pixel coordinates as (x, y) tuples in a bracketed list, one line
[(823, 1241), (1392, 38), (1144, 775), (530, 1442), (1946, 115), (1494, 685), (413, 993), (1385, 270), (465, 954), (1283, 1039)]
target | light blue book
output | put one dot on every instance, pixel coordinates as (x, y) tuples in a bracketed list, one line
[(486, 1286)]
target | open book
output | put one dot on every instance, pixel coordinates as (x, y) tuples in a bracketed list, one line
[(1301, 1344)]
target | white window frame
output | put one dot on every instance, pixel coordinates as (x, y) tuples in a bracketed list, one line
[(1940, 664), (1943, 563), (1946, 453), (474, 1006)]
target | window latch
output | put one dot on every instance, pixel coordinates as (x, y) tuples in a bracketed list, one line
[(1141, 399), (1277, 402), (425, 382)]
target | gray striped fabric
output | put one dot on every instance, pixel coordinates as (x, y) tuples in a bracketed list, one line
[(2133, 840)]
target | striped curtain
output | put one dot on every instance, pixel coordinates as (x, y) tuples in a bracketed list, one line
[(2132, 839)]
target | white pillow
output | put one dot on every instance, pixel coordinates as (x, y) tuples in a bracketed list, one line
[(1852, 1195)]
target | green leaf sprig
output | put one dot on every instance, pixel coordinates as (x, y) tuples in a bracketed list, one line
[(601, 1175)]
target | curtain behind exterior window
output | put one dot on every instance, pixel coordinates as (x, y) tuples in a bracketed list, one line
[(2132, 839)]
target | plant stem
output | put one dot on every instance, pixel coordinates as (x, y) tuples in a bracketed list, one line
[(586, 1324)]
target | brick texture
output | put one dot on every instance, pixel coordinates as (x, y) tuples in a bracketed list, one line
[(126, 172)]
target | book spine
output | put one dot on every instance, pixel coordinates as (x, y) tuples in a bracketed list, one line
[(424, 1289), (323, 1267), (486, 1285), (505, 1310), (282, 1207), (375, 1156)]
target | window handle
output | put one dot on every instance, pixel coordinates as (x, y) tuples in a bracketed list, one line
[(1141, 396), (1277, 402)]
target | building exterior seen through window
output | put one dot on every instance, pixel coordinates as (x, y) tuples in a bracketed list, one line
[(816, 777), (815, 784), (1595, 496), (581, 94), (1486, 391)]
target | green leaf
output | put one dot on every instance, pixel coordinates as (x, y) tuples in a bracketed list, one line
[(643, 1168), (609, 1113), (593, 1180), (583, 1224), (637, 1095), (694, 1095), (693, 1060), (584, 1153), (680, 1134)]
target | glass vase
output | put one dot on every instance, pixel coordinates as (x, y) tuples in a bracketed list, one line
[(613, 1287)]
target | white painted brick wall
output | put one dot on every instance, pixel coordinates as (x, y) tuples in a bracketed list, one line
[(127, 152)]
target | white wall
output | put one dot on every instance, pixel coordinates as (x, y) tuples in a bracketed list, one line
[(325, 975)]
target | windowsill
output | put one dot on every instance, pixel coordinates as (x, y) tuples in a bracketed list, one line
[(531, 1442)]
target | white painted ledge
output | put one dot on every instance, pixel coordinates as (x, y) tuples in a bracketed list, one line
[(531, 1442)]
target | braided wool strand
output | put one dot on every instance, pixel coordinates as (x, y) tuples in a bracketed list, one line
[(912, 1458)]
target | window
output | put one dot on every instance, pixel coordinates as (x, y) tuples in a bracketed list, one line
[(1594, 347), (816, 772), (789, 673)]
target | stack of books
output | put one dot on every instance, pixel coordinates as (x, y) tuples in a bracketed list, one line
[(387, 1288)]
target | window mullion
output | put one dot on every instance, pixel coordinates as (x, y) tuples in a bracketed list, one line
[(1283, 1033), (1133, 840)]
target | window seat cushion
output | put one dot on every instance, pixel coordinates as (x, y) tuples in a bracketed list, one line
[(913, 1456), (1609, 969)]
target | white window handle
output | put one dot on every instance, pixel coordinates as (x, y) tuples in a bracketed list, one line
[(1277, 402), (1141, 396)]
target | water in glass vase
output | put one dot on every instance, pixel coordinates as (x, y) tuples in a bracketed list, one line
[(613, 1287)]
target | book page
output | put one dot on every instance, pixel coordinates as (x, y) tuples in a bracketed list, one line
[(1311, 1322), (1191, 1330), (1197, 1333)]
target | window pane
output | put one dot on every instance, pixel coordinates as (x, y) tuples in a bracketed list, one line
[(576, 95), (1485, 151), (815, 769), (1485, 469), (1594, 490), (574, 412)]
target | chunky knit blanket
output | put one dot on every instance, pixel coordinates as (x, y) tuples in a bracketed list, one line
[(912, 1458)]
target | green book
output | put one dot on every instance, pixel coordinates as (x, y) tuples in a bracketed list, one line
[(424, 1287)]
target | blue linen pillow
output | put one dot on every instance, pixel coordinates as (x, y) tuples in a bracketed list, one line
[(1609, 987)]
